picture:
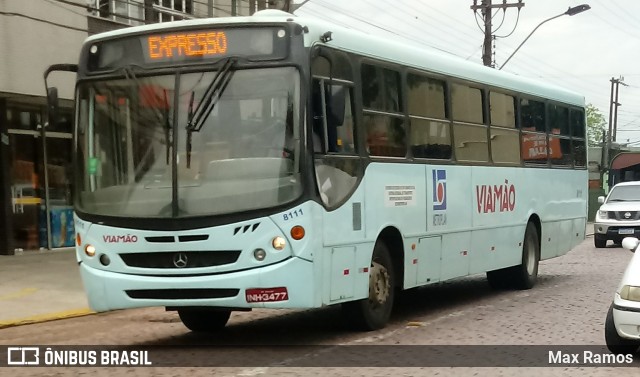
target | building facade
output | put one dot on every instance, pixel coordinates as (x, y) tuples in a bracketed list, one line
[(36, 182)]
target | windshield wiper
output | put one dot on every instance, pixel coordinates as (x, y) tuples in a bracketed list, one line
[(197, 117)]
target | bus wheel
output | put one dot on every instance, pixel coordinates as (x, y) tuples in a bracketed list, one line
[(204, 320), (373, 313), (526, 274), (615, 343)]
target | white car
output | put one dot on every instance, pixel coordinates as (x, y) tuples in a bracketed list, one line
[(622, 326), (619, 214)]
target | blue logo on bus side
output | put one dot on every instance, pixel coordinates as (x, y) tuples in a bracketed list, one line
[(439, 189)]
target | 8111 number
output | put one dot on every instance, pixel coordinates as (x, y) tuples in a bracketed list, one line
[(292, 214)]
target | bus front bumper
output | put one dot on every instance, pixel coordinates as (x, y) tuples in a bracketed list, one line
[(110, 290)]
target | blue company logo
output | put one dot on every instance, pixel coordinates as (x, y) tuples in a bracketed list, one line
[(439, 189)]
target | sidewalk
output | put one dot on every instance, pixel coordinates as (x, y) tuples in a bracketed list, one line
[(39, 286)]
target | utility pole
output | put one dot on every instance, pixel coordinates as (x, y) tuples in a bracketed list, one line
[(613, 117), (485, 9), (617, 104)]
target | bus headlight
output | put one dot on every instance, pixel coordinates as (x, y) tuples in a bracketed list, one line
[(278, 243), (631, 293), (90, 250)]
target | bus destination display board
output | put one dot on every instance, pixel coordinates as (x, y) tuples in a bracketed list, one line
[(162, 47), (189, 46)]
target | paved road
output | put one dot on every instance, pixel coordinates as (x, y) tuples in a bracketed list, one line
[(567, 307)]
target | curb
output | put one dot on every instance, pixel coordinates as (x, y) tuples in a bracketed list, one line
[(46, 317)]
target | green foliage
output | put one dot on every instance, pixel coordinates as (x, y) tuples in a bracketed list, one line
[(596, 124)]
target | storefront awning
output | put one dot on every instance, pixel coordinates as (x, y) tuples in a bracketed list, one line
[(624, 160)]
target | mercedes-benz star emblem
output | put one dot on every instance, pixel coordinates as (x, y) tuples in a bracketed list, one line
[(627, 215), (180, 260)]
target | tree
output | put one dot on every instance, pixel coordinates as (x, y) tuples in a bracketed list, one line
[(595, 125)]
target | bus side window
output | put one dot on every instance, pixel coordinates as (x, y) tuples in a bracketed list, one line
[(340, 123), (336, 115), (318, 118)]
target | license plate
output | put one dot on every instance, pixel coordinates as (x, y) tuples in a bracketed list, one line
[(625, 231), (267, 294)]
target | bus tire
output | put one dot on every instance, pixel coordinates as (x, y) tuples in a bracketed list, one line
[(615, 343), (525, 275), (204, 320), (373, 312)]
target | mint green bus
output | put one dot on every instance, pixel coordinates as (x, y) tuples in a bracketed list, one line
[(276, 161)]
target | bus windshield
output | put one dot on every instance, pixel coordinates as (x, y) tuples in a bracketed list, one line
[(139, 155)]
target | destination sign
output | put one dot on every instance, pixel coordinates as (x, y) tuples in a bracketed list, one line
[(189, 46)]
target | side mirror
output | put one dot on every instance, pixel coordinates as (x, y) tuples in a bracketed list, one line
[(630, 243), (52, 92), (52, 104), (601, 199)]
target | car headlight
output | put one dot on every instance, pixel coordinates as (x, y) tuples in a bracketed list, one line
[(602, 214), (631, 293)]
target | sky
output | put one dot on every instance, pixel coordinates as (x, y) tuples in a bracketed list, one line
[(581, 52)]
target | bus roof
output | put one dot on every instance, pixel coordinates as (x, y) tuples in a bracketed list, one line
[(412, 55)]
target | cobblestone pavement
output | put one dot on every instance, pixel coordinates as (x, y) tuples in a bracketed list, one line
[(566, 308)]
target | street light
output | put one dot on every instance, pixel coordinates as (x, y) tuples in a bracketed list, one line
[(570, 12)]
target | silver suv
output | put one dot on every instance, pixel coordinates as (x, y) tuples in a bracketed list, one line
[(619, 214)]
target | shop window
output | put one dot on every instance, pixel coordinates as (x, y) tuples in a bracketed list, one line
[(170, 10), (129, 12), (64, 123), (23, 118)]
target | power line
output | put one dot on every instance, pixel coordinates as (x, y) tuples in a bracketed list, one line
[(344, 11), (43, 21)]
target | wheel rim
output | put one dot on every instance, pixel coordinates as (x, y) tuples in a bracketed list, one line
[(379, 285), (531, 256)]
